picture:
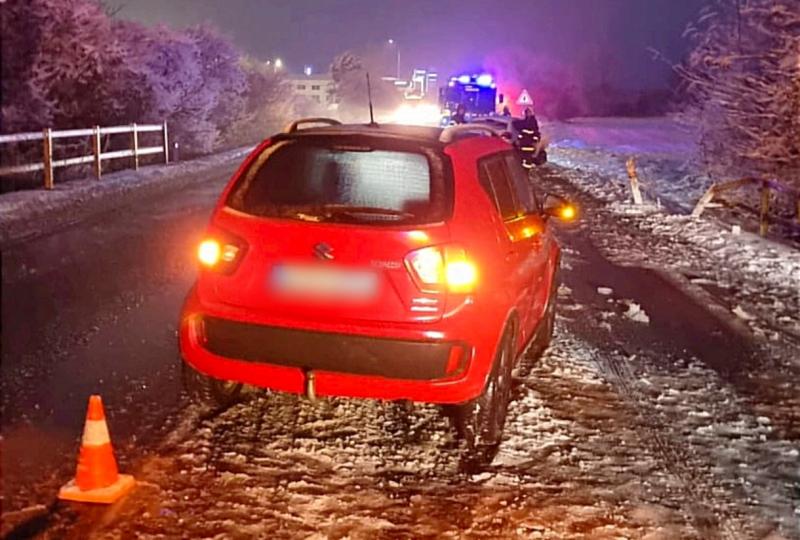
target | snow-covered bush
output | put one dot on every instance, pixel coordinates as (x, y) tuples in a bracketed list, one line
[(743, 87)]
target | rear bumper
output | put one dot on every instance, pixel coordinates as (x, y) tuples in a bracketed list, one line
[(352, 354), (401, 365)]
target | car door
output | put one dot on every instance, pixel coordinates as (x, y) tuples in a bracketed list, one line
[(519, 244), (537, 237)]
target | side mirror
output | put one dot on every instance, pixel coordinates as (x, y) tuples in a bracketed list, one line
[(506, 135), (559, 207)]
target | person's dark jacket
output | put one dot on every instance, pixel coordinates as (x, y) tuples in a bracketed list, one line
[(459, 118), (527, 128), (528, 137)]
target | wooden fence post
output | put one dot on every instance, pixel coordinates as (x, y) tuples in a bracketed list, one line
[(797, 209), (166, 143), (704, 200), (47, 158), (97, 151), (634, 178), (764, 218), (135, 144)]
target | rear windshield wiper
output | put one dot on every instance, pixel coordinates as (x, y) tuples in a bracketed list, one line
[(348, 210)]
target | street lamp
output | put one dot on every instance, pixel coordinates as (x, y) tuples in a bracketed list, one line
[(397, 50)]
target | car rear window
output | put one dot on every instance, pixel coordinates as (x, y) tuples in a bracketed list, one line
[(345, 183)]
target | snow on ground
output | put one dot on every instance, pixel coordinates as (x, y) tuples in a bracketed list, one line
[(662, 148), (651, 136), (602, 441), (597, 446), (753, 279), (28, 213)]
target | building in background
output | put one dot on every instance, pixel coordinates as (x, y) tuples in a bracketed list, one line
[(315, 88)]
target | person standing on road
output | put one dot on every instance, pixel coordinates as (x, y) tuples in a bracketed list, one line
[(460, 117), (528, 125), (529, 140)]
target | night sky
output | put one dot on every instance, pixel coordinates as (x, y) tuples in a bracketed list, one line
[(600, 38)]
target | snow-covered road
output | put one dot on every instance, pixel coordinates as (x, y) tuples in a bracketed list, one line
[(667, 406)]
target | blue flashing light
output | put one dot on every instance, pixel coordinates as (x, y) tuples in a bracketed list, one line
[(464, 79), (484, 80)]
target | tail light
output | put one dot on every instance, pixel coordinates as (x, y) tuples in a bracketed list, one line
[(221, 253), (442, 268)]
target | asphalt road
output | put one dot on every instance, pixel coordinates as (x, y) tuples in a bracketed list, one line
[(592, 451), (93, 309)]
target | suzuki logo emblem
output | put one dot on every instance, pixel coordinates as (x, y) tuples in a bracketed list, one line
[(323, 252)]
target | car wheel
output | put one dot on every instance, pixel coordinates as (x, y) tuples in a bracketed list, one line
[(208, 391), (549, 320), (544, 334), (480, 422)]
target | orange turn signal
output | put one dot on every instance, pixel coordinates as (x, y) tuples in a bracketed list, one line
[(568, 212)]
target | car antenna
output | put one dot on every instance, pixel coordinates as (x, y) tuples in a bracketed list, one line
[(369, 98)]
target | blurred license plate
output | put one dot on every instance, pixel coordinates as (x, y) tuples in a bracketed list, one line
[(324, 281)]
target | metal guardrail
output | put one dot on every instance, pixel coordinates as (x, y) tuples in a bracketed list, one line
[(48, 164)]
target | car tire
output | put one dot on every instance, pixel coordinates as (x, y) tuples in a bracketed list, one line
[(544, 334), (207, 391), (480, 422)]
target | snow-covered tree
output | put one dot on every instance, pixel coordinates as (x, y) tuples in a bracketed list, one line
[(193, 80), (222, 74), (348, 72), (166, 65), (743, 86), (349, 82), (60, 62), (67, 64), (266, 104), (344, 65)]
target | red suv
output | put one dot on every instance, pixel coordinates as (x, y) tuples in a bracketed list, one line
[(390, 262)]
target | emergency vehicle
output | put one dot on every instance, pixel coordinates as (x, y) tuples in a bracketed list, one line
[(477, 93)]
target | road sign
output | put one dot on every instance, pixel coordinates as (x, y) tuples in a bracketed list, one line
[(524, 98)]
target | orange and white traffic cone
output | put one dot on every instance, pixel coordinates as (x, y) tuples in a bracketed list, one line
[(97, 479)]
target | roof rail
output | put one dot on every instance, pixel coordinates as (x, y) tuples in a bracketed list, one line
[(293, 126), (450, 133)]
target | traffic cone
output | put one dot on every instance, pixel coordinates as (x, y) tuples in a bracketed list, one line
[(97, 479)]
